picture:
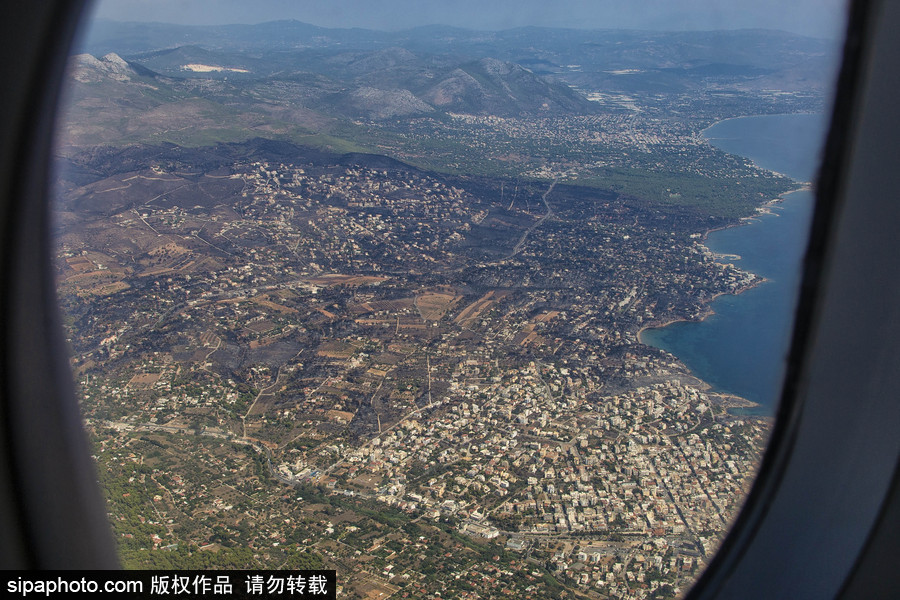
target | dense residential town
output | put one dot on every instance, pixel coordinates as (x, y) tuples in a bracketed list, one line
[(587, 147), (392, 338)]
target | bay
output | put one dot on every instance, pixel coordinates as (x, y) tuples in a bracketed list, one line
[(741, 348)]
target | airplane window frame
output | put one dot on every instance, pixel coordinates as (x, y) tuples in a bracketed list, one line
[(812, 407), (51, 511), (52, 515)]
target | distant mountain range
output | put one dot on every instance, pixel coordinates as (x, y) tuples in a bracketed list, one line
[(360, 90), (611, 59)]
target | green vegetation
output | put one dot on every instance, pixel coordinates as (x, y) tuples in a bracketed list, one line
[(725, 199)]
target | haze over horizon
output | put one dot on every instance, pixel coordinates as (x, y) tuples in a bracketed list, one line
[(816, 18)]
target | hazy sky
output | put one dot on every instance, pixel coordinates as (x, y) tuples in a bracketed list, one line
[(820, 18)]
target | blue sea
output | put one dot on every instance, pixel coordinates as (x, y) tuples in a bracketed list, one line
[(741, 348)]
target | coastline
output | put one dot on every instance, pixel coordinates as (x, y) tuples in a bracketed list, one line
[(766, 208), (708, 312), (728, 400), (709, 140), (732, 402)]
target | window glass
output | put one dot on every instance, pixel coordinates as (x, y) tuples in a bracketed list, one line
[(461, 303)]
